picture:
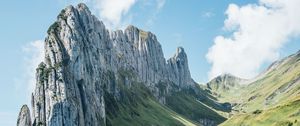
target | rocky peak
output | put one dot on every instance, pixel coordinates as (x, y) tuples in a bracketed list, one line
[(24, 117), (226, 76), (83, 60), (178, 65), (225, 82), (180, 54), (180, 57), (139, 36)]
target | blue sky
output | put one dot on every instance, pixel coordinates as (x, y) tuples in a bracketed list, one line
[(193, 24)]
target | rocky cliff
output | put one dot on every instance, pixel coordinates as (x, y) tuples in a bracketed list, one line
[(24, 117), (225, 83), (84, 61)]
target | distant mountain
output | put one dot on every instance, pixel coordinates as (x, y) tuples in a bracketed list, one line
[(273, 98), (225, 85)]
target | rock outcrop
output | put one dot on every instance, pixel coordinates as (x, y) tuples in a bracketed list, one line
[(24, 117), (225, 83), (83, 60), (178, 66)]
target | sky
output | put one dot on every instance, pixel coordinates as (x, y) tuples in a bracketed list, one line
[(240, 37)]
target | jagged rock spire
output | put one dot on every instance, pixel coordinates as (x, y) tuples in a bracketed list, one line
[(24, 117), (178, 65)]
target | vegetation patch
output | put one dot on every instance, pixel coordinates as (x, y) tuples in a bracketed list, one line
[(283, 115), (257, 112), (137, 107), (54, 27), (188, 106)]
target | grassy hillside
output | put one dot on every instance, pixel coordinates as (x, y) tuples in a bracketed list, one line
[(134, 105), (271, 99), (282, 115), (129, 103), (137, 107), (278, 84), (188, 106), (226, 87)]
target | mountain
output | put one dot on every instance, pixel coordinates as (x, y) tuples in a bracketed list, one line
[(273, 98), (93, 76), (24, 117), (226, 86)]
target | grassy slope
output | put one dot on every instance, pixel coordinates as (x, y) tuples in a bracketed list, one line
[(277, 86), (136, 106), (282, 115), (275, 94), (227, 91), (188, 106)]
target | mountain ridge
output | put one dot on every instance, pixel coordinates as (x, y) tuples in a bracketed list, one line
[(91, 73), (94, 76), (271, 98)]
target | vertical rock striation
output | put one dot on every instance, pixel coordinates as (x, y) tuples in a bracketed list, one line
[(179, 70), (81, 55)]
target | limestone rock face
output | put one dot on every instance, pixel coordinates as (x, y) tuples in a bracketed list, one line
[(179, 70), (81, 55), (24, 117)]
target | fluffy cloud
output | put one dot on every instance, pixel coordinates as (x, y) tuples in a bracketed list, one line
[(112, 11), (33, 56), (116, 13), (258, 31)]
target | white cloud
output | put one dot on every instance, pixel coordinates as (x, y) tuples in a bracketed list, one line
[(258, 33), (33, 56), (116, 13), (112, 12)]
